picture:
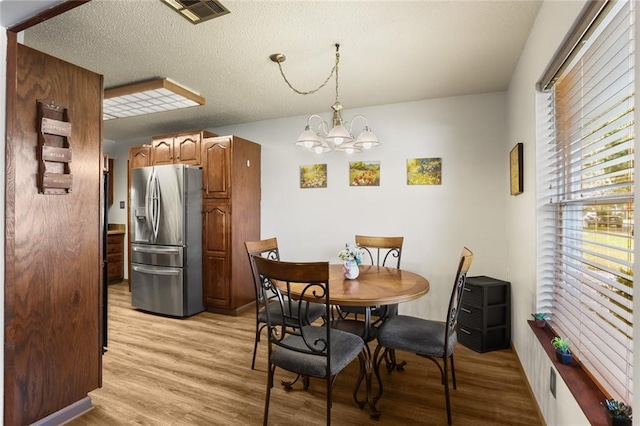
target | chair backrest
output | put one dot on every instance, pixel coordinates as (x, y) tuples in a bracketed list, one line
[(458, 292), (311, 283), (263, 248), (385, 249)]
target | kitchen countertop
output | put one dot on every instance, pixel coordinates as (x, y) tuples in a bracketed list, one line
[(116, 228)]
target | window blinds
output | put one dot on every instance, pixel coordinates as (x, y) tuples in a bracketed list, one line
[(586, 173)]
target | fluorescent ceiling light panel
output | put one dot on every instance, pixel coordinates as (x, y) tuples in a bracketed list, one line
[(147, 97)]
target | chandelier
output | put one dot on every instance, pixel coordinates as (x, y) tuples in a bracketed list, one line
[(320, 139)]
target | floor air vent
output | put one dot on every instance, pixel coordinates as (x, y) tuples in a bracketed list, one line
[(197, 11)]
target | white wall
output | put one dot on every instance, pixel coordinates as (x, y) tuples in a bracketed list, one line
[(553, 22), (468, 133)]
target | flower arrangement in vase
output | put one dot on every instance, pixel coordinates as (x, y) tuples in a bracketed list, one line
[(351, 255)]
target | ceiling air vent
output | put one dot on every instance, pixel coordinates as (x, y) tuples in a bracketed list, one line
[(196, 11)]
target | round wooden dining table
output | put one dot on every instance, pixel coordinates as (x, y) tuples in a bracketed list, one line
[(374, 286)]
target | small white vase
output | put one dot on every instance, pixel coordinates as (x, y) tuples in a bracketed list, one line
[(351, 270)]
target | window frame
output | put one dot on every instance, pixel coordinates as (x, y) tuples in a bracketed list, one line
[(550, 213)]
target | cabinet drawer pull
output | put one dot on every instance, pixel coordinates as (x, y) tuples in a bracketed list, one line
[(465, 310), (465, 331), (468, 289)]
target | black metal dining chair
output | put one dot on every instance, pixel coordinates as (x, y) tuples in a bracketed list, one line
[(430, 339), (309, 350), (268, 248)]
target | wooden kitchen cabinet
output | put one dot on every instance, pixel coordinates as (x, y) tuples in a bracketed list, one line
[(115, 257), (139, 156), (231, 216), (216, 224), (178, 148), (216, 176)]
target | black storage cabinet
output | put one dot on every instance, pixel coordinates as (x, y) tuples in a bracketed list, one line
[(484, 323)]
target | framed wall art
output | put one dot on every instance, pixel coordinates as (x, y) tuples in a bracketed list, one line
[(313, 176), (364, 173), (424, 171), (516, 181)]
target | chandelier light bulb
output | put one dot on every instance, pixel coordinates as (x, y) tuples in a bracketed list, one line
[(308, 144), (349, 150), (318, 149), (338, 141), (366, 145)]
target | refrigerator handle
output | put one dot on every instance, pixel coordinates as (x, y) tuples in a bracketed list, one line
[(156, 250), (148, 215), (156, 210), (156, 271)]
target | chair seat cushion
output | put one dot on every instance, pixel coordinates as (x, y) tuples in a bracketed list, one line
[(345, 347), (314, 311), (417, 335)]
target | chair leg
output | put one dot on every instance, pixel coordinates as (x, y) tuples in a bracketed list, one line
[(329, 387), (446, 390), (390, 357), (255, 345), (453, 373), (265, 417)]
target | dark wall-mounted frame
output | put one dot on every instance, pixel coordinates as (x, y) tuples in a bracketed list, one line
[(516, 181)]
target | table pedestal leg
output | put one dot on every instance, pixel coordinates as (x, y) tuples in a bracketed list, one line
[(366, 373)]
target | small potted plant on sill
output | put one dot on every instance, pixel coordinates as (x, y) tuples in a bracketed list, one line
[(540, 319), (618, 413), (563, 353)]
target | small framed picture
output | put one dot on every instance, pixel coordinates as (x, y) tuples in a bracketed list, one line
[(364, 173), (313, 176), (515, 170), (424, 171)]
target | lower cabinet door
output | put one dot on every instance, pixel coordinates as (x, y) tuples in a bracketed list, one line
[(157, 289), (216, 289)]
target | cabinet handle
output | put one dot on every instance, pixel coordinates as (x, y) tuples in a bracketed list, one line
[(467, 289), (465, 310), (464, 331)]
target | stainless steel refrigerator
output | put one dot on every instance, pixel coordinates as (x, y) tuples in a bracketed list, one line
[(166, 239)]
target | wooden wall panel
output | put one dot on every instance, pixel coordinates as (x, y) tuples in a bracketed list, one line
[(53, 243)]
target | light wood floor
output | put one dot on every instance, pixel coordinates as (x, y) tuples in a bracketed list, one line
[(196, 371)]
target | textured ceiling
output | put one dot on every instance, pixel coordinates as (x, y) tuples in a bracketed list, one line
[(391, 51)]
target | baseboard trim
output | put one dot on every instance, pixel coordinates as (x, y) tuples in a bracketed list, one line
[(529, 388), (67, 414), (230, 311)]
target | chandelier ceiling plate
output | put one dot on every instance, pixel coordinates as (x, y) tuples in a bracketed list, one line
[(278, 57)]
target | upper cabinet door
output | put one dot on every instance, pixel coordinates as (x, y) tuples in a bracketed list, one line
[(162, 151), (187, 149), (139, 156), (216, 167)]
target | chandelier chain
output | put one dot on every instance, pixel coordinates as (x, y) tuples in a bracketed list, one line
[(336, 68), (310, 92)]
